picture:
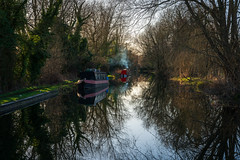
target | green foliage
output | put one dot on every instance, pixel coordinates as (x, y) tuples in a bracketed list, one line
[(23, 59), (40, 38), (24, 48), (8, 42), (76, 55), (6, 33)]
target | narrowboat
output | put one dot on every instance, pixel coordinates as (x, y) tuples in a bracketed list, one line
[(124, 75), (93, 78)]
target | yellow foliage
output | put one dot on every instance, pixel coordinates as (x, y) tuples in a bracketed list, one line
[(36, 38)]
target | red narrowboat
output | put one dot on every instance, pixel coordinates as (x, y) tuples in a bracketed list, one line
[(124, 75)]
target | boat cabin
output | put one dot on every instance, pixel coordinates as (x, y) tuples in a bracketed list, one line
[(93, 74)]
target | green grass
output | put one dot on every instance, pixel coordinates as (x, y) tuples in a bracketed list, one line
[(31, 91), (18, 91), (192, 81)]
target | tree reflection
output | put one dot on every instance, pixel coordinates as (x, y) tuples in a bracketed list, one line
[(8, 140), (50, 130), (222, 140), (66, 117), (187, 122), (24, 135), (104, 123), (61, 128)]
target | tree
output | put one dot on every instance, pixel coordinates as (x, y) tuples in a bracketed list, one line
[(104, 31), (155, 45), (221, 29), (76, 54), (219, 22), (40, 39), (34, 40), (11, 21)]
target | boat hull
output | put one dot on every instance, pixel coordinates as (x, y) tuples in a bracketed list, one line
[(91, 96), (93, 83)]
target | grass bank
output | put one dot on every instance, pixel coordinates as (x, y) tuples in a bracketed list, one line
[(196, 82), (31, 91)]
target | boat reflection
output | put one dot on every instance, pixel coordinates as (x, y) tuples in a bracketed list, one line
[(91, 96)]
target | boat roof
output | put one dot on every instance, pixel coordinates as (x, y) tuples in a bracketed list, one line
[(94, 70)]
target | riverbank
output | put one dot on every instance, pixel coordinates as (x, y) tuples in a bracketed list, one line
[(12, 106), (217, 88), (32, 91), (197, 83)]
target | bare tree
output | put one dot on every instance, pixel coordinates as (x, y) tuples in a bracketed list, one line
[(104, 30), (220, 26), (218, 21)]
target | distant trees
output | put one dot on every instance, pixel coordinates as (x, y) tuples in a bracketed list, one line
[(218, 22), (104, 31), (155, 46), (174, 45)]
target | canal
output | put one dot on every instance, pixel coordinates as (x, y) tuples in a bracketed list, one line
[(145, 118)]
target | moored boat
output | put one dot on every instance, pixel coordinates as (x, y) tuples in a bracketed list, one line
[(124, 75), (93, 78)]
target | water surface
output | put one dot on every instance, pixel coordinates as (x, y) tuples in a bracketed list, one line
[(146, 118)]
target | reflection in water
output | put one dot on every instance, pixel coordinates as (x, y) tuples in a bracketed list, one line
[(92, 96), (178, 123), (187, 123), (25, 136)]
